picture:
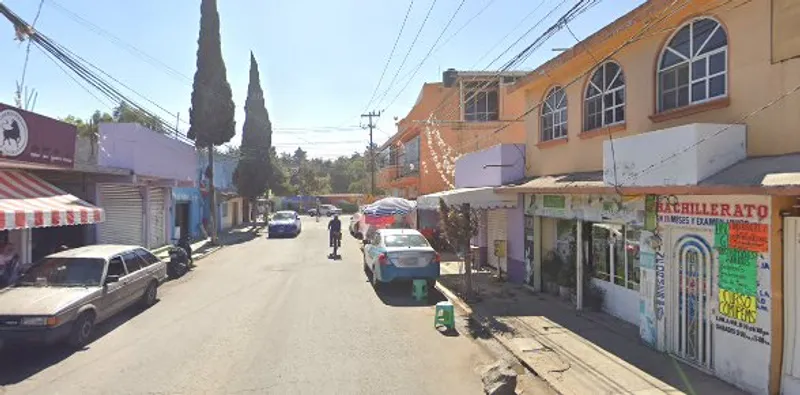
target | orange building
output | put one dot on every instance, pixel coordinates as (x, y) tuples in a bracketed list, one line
[(466, 112), (652, 147)]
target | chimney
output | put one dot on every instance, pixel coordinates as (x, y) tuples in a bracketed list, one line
[(449, 77)]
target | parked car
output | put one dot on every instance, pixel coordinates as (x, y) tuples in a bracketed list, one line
[(285, 223), (355, 226), (312, 212), (393, 254), (63, 296), (329, 210)]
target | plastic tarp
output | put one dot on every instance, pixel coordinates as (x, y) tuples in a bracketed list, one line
[(389, 207), (478, 198)]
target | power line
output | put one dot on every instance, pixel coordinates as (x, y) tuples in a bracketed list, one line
[(405, 58), (427, 55), (391, 54)]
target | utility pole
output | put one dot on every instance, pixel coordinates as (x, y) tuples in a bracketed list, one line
[(370, 125)]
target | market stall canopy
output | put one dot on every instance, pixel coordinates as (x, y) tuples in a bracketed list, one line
[(389, 207), (27, 201), (479, 198)]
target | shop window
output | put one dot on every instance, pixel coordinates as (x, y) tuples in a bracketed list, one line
[(693, 67), (615, 254)]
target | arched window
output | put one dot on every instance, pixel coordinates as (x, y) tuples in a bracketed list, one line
[(554, 115), (605, 97), (693, 65)]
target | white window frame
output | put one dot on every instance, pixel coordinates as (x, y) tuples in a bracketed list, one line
[(612, 273), (467, 94), (603, 91), (557, 115), (689, 62)]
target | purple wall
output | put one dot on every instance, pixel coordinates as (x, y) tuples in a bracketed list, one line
[(147, 153), (470, 170)]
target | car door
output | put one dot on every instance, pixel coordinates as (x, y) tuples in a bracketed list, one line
[(155, 268), (136, 280), (373, 249), (113, 299)]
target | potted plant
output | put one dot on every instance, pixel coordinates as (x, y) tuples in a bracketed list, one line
[(551, 265)]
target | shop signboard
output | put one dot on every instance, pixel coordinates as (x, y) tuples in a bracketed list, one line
[(595, 208), (33, 138)]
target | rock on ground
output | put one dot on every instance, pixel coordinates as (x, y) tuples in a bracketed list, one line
[(499, 379)]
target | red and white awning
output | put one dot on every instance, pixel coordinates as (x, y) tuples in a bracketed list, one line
[(27, 201)]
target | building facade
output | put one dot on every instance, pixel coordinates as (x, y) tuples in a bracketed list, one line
[(459, 115), (138, 206), (36, 214), (663, 164)]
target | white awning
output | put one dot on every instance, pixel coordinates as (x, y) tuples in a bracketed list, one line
[(480, 198)]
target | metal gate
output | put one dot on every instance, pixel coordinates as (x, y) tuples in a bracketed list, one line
[(791, 296), (124, 215), (497, 232), (691, 296), (157, 236)]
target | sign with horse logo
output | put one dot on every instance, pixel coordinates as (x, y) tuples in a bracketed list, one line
[(34, 138), (14, 133)]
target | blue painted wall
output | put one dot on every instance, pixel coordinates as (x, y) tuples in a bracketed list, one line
[(196, 212)]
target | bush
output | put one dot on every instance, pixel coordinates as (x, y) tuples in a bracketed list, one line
[(348, 207)]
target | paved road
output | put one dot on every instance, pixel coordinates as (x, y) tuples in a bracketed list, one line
[(263, 316)]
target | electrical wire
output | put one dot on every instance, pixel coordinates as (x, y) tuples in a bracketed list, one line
[(391, 54), (427, 55)]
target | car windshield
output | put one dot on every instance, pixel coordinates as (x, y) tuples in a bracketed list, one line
[(405, 241), (282, 216), (65, 272)]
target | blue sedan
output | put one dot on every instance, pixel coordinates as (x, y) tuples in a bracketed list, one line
[(284, 223), (400, 254)]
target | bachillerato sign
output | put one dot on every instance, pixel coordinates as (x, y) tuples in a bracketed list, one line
[(33, 138)]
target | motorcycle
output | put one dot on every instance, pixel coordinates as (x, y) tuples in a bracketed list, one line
[(179, 258)]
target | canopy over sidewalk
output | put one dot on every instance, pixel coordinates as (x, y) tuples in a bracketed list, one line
[(479, 198)]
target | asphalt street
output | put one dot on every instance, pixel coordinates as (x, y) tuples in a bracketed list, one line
[(263, 316)]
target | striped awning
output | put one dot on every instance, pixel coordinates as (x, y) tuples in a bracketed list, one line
[(27, 201)]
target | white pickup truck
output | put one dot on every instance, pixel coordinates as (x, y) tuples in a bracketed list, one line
[(329, 210)]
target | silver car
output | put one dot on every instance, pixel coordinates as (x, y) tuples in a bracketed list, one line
[(65, 294)]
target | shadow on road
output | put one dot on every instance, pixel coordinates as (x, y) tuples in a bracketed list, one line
[(398, 294), (20, 362)]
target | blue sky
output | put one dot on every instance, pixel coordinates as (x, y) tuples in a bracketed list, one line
[(320, 60)]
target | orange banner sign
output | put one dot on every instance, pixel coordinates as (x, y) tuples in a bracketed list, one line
[(749, 237)]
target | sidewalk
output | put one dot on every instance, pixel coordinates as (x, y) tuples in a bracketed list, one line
[(575, 352), (203, 248)]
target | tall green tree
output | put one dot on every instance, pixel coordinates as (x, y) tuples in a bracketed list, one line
[(252, 172), (211, 116)]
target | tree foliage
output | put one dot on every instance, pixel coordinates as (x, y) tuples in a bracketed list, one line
[(296, 174), (123, 113), (252, 173), (211, 116)]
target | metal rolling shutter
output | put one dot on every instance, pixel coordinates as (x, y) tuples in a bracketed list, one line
[(157, 236), (123, 205), (497, 220)]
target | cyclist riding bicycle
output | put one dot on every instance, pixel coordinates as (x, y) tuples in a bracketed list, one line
[(335, 232)]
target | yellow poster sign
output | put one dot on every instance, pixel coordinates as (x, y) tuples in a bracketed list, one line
[(500, 248)]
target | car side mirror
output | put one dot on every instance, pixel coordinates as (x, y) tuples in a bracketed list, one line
[(112, 279)]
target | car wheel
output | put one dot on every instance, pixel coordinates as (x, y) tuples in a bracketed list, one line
[(82, 330), (150, 295)]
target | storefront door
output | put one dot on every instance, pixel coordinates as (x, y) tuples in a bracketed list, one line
[(690, 265)]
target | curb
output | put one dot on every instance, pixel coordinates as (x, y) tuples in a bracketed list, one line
[(464, 307)]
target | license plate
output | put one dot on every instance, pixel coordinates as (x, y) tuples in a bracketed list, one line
[(409, 261)]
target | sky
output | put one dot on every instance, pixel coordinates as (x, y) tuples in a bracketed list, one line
[(320, 60)]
